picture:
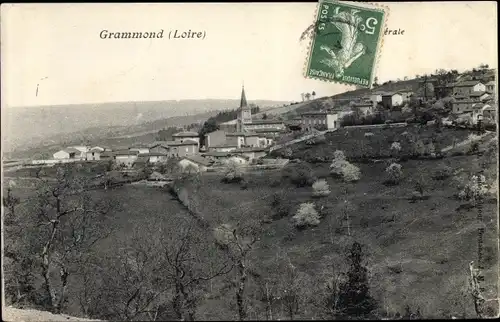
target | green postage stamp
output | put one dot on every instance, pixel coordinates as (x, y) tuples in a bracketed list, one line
[(346, 38)]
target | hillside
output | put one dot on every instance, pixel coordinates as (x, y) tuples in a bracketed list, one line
[(25, 127), (11, 314)]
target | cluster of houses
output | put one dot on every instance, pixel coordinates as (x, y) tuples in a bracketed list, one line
[(474, 99)]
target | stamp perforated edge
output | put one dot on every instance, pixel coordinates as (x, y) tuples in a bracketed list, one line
[(380, 44)]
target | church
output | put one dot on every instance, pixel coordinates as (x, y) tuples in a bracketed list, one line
[(246, 123)]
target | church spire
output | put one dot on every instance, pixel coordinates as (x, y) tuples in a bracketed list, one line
[(243, 102)]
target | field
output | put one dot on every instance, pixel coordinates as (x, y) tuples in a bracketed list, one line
[(417, 252)]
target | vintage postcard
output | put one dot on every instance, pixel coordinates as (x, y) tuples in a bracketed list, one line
[(249, 161)]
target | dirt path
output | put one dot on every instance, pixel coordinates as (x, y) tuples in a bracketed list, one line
[(28, 315)]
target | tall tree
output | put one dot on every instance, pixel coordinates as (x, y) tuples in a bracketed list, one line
[(313, 94), (308, 96), (354, 296)]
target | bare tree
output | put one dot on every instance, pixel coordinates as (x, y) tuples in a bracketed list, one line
[(68, 224)]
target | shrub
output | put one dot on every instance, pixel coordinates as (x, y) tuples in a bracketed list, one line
[(418, 148), (368, 134), (233, 173), (473, 148), (347, 171), (396, 146), (394, 173), (281, 205), (306, 216), (320, 188), (300, 175), (474, 189)]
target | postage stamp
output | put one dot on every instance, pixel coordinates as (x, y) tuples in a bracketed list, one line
[(346, 39)]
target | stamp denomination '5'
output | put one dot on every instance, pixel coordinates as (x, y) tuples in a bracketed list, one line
[(346, 40)]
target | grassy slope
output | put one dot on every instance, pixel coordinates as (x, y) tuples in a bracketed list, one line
[(431, 241)]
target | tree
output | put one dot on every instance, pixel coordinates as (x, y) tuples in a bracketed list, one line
[(321, 188), (303, 96), (306, 216), (394, 173), (313, 94), (69, 223), (308, 96), (354, 299), (210, 125), (375, 82), (264, 116), (237, 240)]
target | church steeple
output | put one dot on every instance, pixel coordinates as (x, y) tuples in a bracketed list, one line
[(244, 112), (243, 102)]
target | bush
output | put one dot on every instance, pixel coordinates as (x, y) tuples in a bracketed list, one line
[(342, 168), (306, 216), (442, 173), (320, 188), (233, 173), (301, 175), (394, 173)]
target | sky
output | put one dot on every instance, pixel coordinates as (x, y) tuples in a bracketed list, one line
[(58, 47)]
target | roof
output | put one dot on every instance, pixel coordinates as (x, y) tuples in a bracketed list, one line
[(467, 83), (266, 122), (156, 154), (142, 158), (241, 134), (70, 150), (214, 132), (198, 160), (126, 152), (464, 101), (185, 142), (96, 149), (185, 134), (106, 154), (217, 154), (318, 113), (225, 145), (80, 148), (159, 143), (363, 105), (139, 146), (488, 107), (391, 93), (491, 83), (477, 94), (248, 149), (268, 130), (243, 101)]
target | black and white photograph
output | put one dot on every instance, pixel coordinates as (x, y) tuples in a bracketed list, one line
[(332, 160)]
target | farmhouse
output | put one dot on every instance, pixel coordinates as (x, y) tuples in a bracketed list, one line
[(226, 147), (182, 149), (142, 149), (481, 96), (196, 162), (82, 151), (159, 147), (462, 106), (364, 108), (490, 111), (392, 99), (215, 138), (251, 153), (243, 139), (183, 136), (155, 157), (69, 153), (320, 120), (94, 154), (376, 97), (126, 157), (468, 87), (444, 90)]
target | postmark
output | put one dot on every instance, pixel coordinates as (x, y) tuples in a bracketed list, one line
[(346, 39)]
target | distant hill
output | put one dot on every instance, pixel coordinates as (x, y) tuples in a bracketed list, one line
[(27, 127)]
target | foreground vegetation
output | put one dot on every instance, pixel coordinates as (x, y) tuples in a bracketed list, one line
[(387, 233)]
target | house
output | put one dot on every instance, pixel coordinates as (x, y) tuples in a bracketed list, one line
[(184, 136), (480, 96), (82, 151), (215, 138), (264, 124), (94, 154), (376, 97), (490, 86), (195, 162), (216, 156), (155, 157), (444, 90), (250, 153), (106, 155), (392, 99), (182, 148), (320, 120), (159, 147), (364, 109), (238, 159), (468, 87), (68, 153), (406, 93), (142, 149), (126, 157), (243, 139), (226, 147), (463, 106)]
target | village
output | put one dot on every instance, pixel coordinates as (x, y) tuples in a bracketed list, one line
[(464, 100)]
